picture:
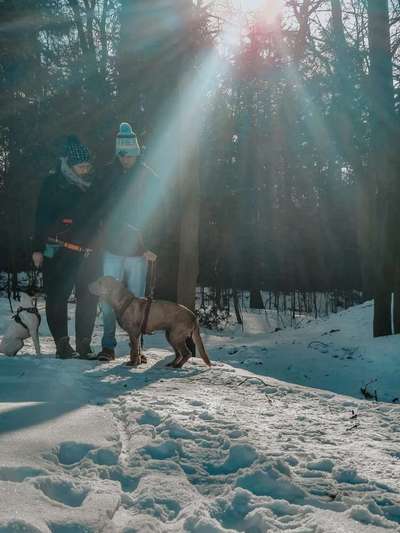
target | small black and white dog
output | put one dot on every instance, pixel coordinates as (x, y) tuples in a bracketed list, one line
[(24, 324)]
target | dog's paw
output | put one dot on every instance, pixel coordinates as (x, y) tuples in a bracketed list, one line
[(133, 363), (175, 362), (181, 362)]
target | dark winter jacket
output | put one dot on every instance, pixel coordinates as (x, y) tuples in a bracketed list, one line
[(66, 212), (133, 210)]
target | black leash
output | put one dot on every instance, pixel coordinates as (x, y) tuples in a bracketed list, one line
[(9, 301), (153, 277), (120, 312), (146, 315)]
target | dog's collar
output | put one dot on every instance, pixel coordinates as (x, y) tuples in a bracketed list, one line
[(120, 313), (125, 306)]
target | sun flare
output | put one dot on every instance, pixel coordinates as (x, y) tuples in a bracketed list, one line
[(249, 5), (267, 8)]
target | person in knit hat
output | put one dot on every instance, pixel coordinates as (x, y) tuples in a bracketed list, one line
[(64, 246), (133, 217), (75, 163), (126, 143)]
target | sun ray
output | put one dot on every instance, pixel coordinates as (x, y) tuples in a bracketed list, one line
[(186, 113)]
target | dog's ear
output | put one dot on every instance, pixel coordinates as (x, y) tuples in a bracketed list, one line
[(121, 292)]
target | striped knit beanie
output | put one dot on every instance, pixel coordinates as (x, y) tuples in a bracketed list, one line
[(126, 142)]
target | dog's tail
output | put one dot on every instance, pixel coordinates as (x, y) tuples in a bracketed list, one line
[(199, 343)]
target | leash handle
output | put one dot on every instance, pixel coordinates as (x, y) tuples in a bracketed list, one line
[(71, 246)]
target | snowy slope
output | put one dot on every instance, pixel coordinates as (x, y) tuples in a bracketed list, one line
[(336, 353), (89, 448)]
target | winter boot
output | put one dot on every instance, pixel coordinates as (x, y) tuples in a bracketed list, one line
[(106, 354), (64, 350), (84, 349)]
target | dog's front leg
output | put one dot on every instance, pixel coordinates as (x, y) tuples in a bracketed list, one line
[(36, 343), (143, 358), (135, 351)]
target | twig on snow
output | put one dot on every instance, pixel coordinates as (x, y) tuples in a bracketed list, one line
[(354, 426), (259, 379), (367, 394), (232, 384)]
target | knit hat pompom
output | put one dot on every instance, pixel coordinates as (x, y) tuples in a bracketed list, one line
[(76, 152), (125, 129), (126, 142)]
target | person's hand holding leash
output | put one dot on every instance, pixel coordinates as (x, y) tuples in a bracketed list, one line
[(37, 258), (150, 256)]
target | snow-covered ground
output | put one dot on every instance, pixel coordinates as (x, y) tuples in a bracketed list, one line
[(275, 437)]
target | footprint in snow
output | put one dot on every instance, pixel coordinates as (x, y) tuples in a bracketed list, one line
[(62, 490), (240, 456), (69, 453)]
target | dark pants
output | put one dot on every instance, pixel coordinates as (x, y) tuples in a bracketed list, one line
[(69, 269)]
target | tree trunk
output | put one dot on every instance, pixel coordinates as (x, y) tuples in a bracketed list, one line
[(381, 168), (189, 248), (189, 188), (382, 314), (256, 301), (396, 312), (237, 307)]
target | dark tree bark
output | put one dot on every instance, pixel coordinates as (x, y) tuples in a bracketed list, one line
[(396, 312), (381, 164), (236, 306), (256, 301)]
